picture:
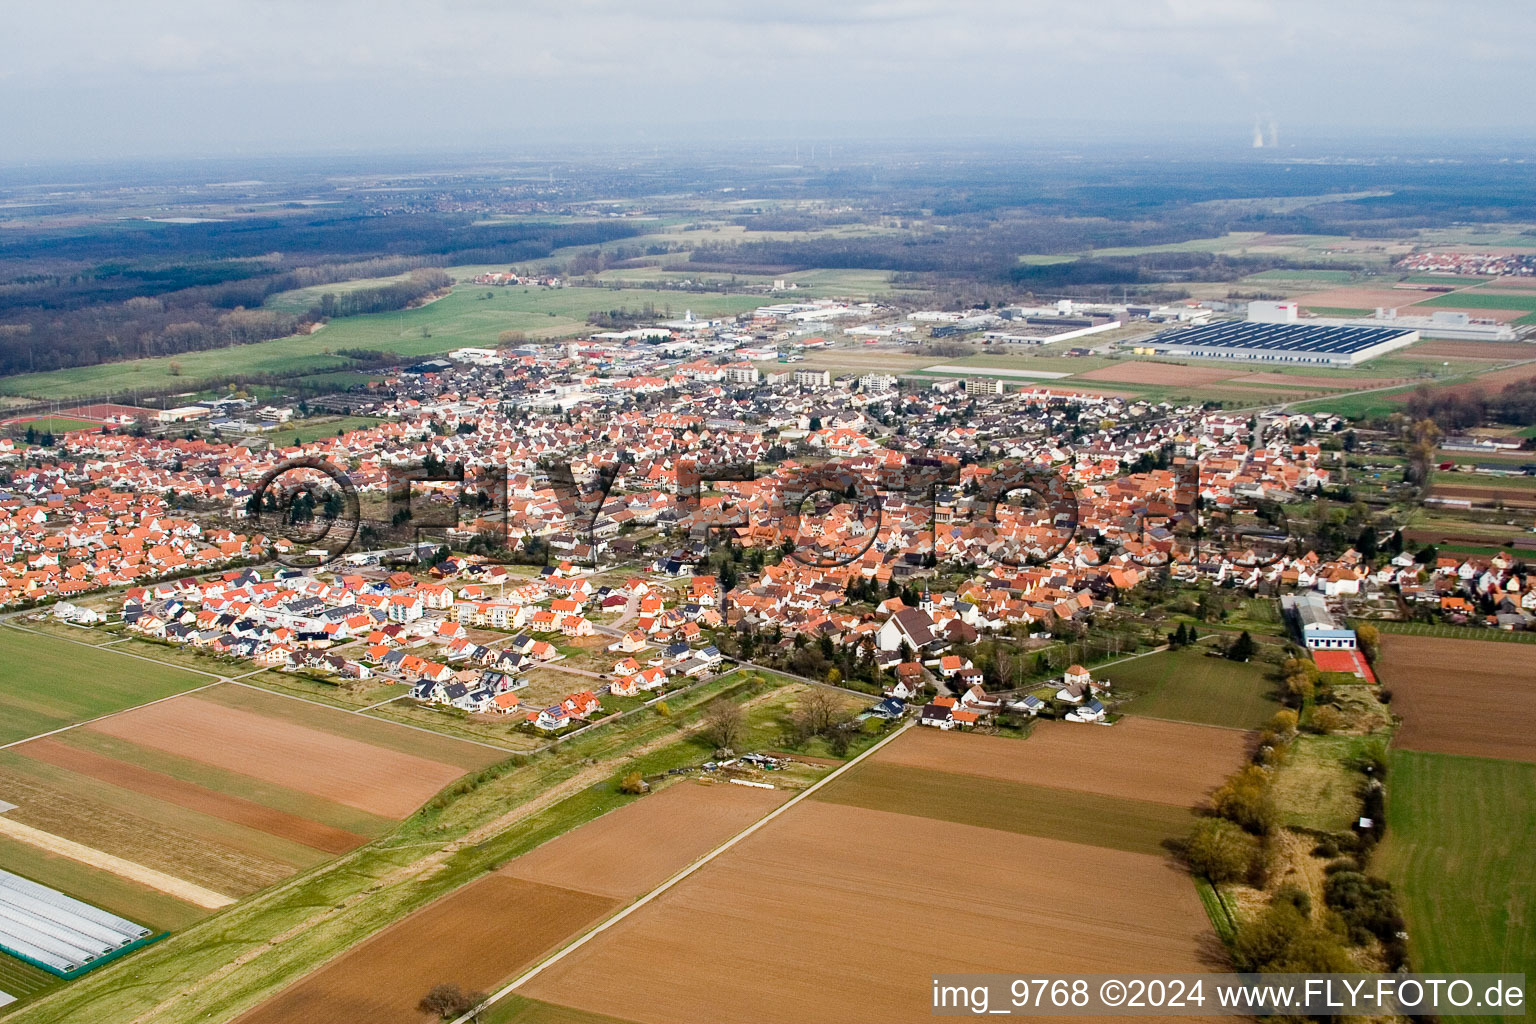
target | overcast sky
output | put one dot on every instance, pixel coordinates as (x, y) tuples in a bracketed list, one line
[(217, 77)]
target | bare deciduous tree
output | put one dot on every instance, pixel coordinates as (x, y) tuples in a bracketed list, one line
[(724, 724), (448, 1000)]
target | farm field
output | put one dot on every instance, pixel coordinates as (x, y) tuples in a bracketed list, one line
[(48, 683), (307, 748), (300, 300), (483, 933), (630, 851), (1451, 632), (1326, 276), (1117, 823), (515, 1009), (1460, 831), (1191, 686), (1191, 760), (164, 812), (875, 905), (1485, 708), (1476, 349), (227, 964), (1159, 373), (149, 907), (1484, 299), (1368, 299)]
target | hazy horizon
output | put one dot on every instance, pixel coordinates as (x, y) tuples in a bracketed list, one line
[(174, 79)]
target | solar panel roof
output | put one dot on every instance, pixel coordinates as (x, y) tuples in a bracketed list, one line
[(1242, 334)]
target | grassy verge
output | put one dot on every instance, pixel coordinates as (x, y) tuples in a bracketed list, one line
[(1216, 909)]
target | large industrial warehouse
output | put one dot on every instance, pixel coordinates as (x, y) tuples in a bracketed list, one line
[(1281, 343), (56, 932)]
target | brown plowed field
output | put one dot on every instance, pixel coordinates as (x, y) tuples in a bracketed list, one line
[(1475, 697), (632, 850), (1141, 759), (1474, 349), (1484, 383), (1364, 298), (360, 775), (1503, 316), (1157, 373), (476, 938), (1299, 381), (1486, 494), (835, 914), (198, 798)]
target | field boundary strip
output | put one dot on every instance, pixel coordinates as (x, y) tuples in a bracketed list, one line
[(670, 883), (92, 857)]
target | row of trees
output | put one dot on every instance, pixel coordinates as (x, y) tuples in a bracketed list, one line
[(1459, 409), (383, 299)]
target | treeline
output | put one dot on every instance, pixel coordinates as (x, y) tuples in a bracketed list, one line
[(164, 292), (124, 330), (990, 253), (1455, 409), (383, 299)]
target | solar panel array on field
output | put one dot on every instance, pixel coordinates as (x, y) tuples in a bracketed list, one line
[(1242, 335), (57, 932)]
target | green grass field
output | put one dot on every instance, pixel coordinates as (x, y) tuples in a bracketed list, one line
[(337, 379), (1317, 783), (1339, 311), (1450, 279), (47, 683), (55, 425), (1364, 406), (1483, 299), (1189, 686), (1456, 632), (322, 426), (463, 318), (301, 300), (1116, 823), (1460, 831), (1328, 276)]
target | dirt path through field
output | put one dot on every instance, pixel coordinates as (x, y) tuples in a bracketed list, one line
[(169, 884)]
